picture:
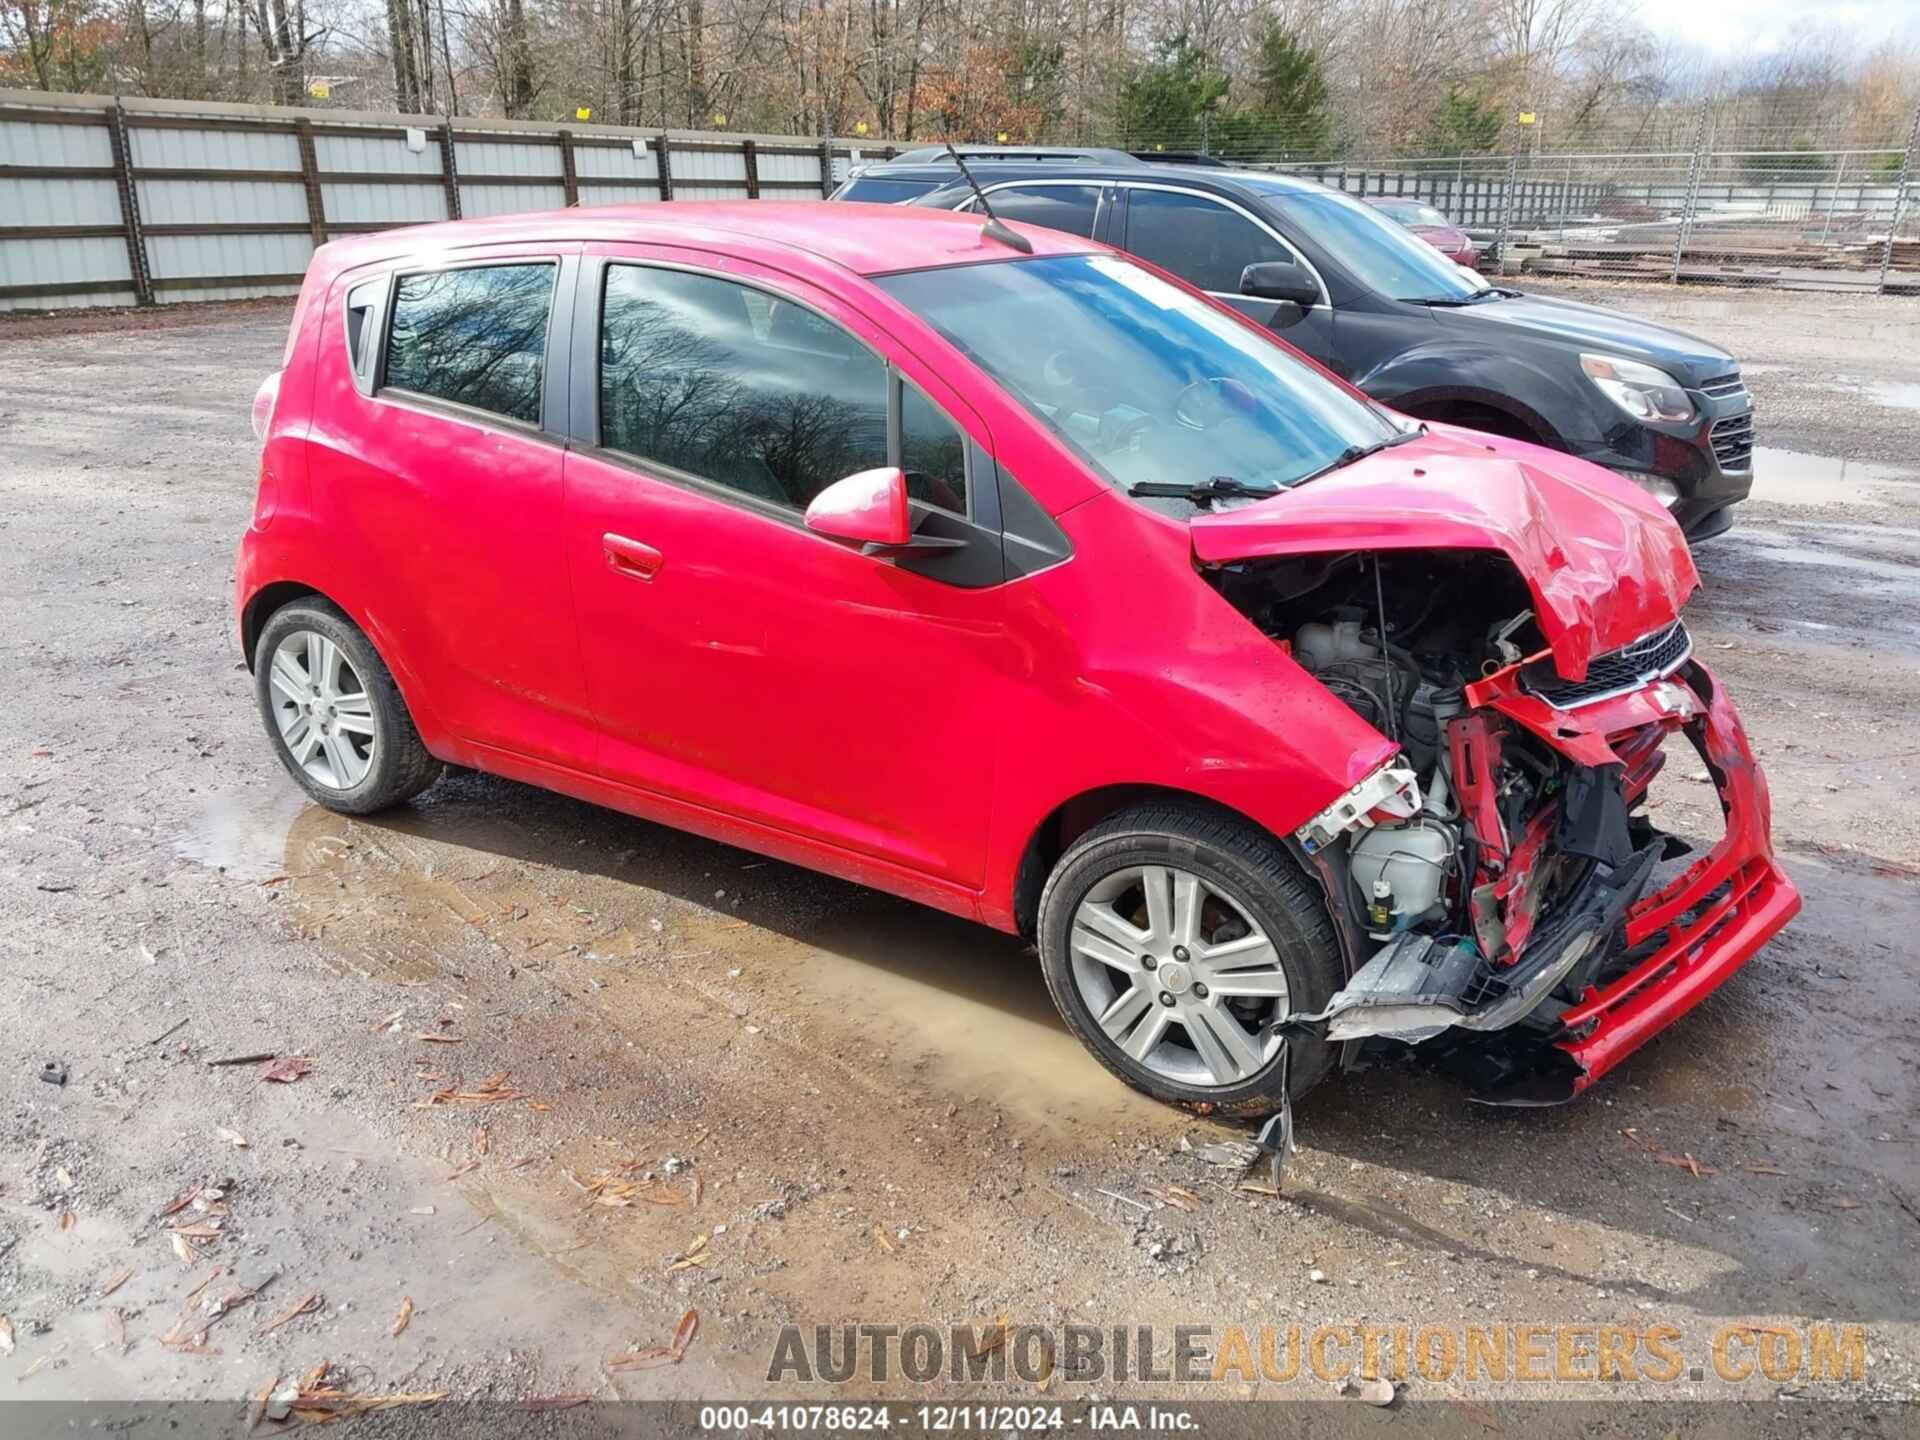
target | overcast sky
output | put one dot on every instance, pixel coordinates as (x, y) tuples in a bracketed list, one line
[(1728, 29)]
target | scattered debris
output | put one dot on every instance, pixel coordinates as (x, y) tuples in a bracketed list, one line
[(254, 1059), (173, 1029), (697, 1254), (617, 1186), (1177, 1196), (1763, 1169), (319, 1396), (490, 1091), (1685, 1162), (885, 1240), (402, 1316), (183, 1248), (392, 1022), (117, 1330), (288, 1070), (54, 1072), (305, 1305), (257, 1410), (1373, 1390), (232, 1137), (114, 1282), (433, 1039), (1124, 1200), (668, 1354)]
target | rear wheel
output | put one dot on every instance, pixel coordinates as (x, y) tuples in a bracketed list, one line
[(1174, 939), (333, 713)]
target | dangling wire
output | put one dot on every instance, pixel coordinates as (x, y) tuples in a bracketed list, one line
[(1386, 657)]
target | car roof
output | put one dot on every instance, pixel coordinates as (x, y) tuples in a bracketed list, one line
[(990, 171), (864, 239)]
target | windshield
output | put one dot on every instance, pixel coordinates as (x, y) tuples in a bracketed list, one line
[(1408, 213), (1380, 254), (1148, 383)]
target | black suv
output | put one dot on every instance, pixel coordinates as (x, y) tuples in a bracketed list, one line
[(1337, 279)]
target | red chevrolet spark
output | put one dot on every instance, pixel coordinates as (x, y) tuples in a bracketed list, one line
[(1006, 573)]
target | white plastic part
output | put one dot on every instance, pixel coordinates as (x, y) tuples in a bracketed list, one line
[(416, 140), (1410, 860), (1393, 789)]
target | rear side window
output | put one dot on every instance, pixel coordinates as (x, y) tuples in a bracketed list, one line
[(476, 336), (727, 383), (1058, 207), (1200, 240)]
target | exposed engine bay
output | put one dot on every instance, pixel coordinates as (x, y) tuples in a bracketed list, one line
[(1483, 879)]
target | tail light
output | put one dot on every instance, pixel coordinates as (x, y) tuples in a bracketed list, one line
[(263, 402)]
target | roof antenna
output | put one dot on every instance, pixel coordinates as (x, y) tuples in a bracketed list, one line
[(993, 229)]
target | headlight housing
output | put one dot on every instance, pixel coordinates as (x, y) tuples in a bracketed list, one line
[(1644, 392)]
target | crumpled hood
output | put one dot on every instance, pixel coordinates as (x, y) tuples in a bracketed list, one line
[(1605, 563)]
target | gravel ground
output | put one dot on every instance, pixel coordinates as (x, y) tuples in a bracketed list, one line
[(867, 1110)]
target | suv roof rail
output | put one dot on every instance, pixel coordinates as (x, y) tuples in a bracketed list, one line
[(1179, 157), (1093, 155)]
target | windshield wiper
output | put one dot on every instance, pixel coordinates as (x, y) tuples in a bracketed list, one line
[(1492, 292), (1201, 492), (1353, 454)]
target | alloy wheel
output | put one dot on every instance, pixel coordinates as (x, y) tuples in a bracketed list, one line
[(322, 709), (1179, 975)]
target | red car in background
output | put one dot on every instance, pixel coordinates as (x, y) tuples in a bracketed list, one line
[(1430, 225), (1004, 572)]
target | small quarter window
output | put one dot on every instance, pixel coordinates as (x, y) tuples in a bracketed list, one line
[(1058, 207), (476, 336), (1200, 240), (933, 452)]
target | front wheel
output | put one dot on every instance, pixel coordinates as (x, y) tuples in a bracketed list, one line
[(1174, 940), (335, 717)]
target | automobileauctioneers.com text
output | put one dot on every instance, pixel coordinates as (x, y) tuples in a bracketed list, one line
[(1558, 1354)]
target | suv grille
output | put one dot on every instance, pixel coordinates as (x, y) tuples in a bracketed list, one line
[(1627, 668), (1723, 386), (1733, 442)]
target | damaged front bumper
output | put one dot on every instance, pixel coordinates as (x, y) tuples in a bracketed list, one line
[(1703, 925), (1648, 952)]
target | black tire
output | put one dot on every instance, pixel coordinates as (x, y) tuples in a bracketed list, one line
[(1251, 867), (401, 767)]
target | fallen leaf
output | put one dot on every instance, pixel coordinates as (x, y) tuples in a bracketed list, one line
[(463, 1169), (115, 1282), (885, 1240), (1687, 1163), (480, 1139), (433, 1039), (1846, 1202), (403, 1316), (1763, 1169), (182, 1200), (554, 1402), (66, 1219), (117, 1330), (305, 1305), (668, 1354), (392, 1020), (287, 1070), (257, 1411), (182, 1248)]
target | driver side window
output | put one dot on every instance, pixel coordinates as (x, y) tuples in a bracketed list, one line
[(1200, 240), (742, 388)]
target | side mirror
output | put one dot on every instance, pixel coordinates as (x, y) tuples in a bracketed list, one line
[(1280, 280), (868, 508)]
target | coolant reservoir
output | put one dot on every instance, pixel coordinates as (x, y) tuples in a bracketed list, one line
[(1413, 860)]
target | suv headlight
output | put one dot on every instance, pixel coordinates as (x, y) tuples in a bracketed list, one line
[(1641, 390)]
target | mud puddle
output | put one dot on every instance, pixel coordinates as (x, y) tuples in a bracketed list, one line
[(883, 990), (242, 833), (1789, 477)]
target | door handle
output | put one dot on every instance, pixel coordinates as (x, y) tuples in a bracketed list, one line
[(629, 557)]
